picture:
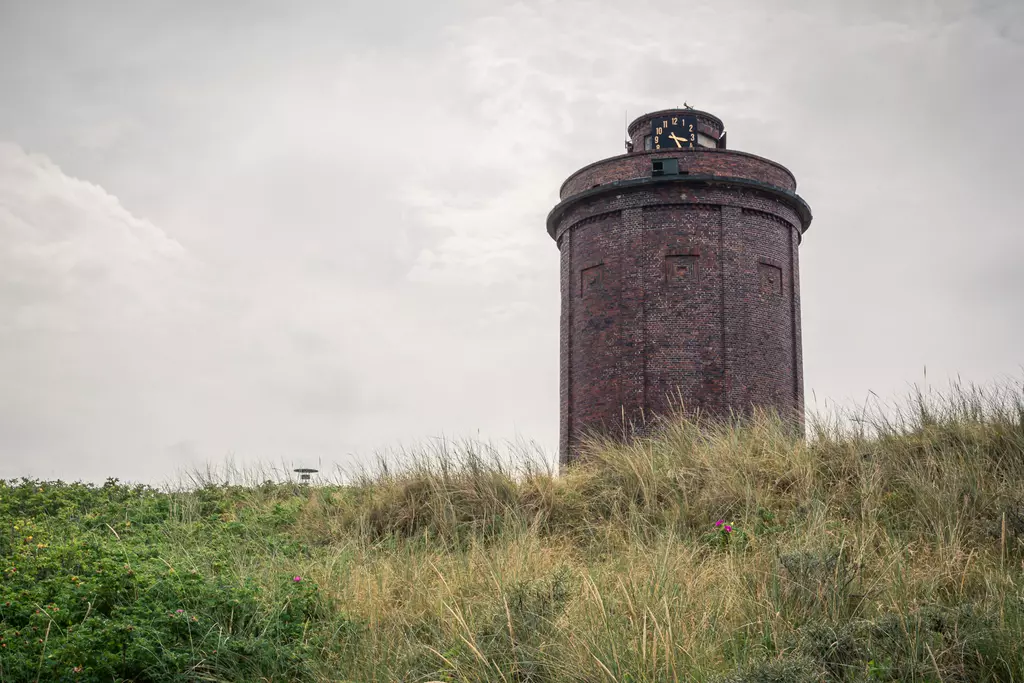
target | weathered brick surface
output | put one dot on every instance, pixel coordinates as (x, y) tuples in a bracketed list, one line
[(677, 292), (721, 162)]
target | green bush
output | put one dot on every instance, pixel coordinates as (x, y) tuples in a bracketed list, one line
[(93, 591)]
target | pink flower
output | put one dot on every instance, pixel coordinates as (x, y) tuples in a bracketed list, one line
[(720, 522), (179, 611), (728, 528), (297, 579)]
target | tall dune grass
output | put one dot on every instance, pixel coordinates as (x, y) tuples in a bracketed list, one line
[(886, 547), (882, 546)]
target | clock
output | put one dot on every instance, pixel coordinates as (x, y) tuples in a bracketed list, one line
[(674, 132)]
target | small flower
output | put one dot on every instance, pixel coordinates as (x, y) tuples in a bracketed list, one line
[(297, 579), (719, 522), (178, 611), (728, 528)]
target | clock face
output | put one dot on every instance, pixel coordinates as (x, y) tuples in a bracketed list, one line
[(674, 132)]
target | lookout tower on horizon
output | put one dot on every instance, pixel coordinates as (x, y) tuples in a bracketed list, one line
[(679, 280)]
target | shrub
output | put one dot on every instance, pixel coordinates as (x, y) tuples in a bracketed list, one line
[(89, 594)]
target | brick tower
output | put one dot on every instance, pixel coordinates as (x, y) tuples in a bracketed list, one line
[(679, 280)]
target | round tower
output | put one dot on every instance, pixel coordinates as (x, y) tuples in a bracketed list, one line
[(679, 280)]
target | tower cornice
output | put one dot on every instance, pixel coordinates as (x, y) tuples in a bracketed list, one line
[(790, 199)]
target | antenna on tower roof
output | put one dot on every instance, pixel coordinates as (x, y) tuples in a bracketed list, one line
[(625, 126)]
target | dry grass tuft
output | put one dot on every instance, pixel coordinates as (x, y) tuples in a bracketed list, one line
[(883, 547)]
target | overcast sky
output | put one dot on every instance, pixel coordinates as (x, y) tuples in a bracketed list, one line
[(306, 231)]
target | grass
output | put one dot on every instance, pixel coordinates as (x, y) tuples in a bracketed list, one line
[(888, 547)]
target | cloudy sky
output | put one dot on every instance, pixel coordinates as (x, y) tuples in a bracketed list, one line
[(306, 231)]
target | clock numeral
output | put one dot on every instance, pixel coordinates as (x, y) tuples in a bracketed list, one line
[(675, 120), (659, 131), (691, 127), (665, 123), (657, 147), (692, 136)]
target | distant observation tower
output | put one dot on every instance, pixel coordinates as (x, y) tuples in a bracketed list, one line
[(679, 280)]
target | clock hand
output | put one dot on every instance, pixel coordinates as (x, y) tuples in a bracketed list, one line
[(679, 141)]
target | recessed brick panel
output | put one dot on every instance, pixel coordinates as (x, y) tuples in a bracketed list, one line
[(681, 270), (770, 276), (595, 323)]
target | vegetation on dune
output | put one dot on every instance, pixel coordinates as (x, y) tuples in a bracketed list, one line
[(890, 550)]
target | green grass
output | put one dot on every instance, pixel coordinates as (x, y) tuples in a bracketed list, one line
[(889, 548)]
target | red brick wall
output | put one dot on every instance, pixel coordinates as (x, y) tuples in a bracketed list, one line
[(674, 291), (718, 162)]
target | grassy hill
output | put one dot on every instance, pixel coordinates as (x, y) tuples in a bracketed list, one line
[(890, 551)]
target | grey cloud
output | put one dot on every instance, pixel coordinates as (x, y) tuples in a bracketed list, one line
[(319, 230)]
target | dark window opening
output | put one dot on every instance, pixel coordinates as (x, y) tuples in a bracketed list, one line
[(665, 167)]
